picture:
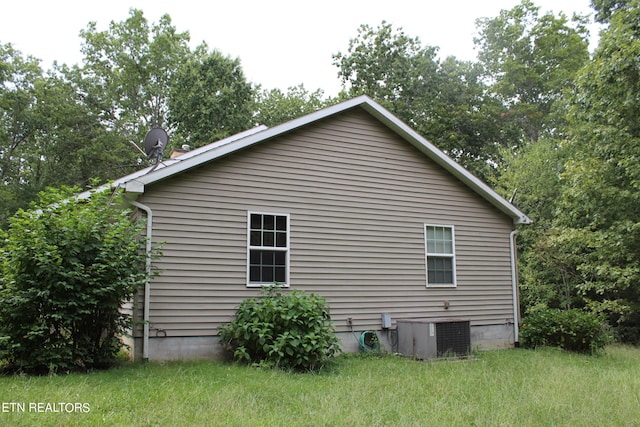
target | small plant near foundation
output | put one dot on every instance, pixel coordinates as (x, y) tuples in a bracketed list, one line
[(290, 331)]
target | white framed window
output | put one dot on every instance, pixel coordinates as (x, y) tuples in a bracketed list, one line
[(267, 249), (440, 252)]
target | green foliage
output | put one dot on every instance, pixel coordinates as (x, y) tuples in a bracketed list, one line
[(291, 331), (18, 124), (531, 60), (128, 70), (533, 176), (48, 135), (597, 223), (275, 107), (606, 8), (573, 330), (68, 266), (210, 99), (580, 183)]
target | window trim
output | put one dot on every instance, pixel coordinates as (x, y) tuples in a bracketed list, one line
[(440, 255), (286, 249)]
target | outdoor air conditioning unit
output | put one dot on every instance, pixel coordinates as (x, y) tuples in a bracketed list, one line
[(432, 338)]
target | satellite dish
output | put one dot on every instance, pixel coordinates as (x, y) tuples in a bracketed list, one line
[(154, 144)]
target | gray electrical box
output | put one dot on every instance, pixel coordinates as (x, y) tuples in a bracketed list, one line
[(432, 338), (386, 320)]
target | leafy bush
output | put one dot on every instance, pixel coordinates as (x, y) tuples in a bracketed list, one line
[(67, 268), (292, 331), (573, 330)]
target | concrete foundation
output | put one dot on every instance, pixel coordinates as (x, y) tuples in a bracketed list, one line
[(492, 337), (180, 348), (489, 337)]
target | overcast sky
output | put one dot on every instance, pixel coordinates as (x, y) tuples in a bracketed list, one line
[(280, 43)]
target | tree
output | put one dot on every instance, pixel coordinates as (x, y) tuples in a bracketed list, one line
[(466, 121), (605, 8), (73, 147), (390, 66), (532, 179), (47, 135), (394, 69), (210, 99), (599, 209), (128, 71), (18, 123), (68, 266), (530, 61), (274, 106), (446, 101)]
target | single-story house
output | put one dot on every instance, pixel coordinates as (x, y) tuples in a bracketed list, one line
[(349, 203)]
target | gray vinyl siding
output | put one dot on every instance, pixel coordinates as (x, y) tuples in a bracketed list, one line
[(358, 197)]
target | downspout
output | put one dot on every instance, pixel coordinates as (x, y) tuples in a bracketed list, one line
[(514, 286), (147, 284)]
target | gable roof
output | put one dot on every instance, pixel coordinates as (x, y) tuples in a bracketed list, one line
[(135, 183)]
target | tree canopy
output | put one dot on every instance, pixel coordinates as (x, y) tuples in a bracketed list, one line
[(210, 99), (128, 69), (530, 61), (599, 209), (276, 106)]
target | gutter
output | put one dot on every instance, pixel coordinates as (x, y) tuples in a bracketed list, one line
[(147, 285), (514, 286)]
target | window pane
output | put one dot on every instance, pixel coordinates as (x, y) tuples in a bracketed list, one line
[(439, 240), (267, 258), (267, 266), (255, 238), (269, 222), (267, 274), (281, 240), (447, 241), (254, 273), (431, 231), (281, 223), (440, 270), (256, 222), (437, 246), (268, 238)]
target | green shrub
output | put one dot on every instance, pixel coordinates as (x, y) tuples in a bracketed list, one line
[(292, 331), (573, 330), (67, 268)]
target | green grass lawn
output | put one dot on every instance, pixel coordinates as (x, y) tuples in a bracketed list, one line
[(499, 388)]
